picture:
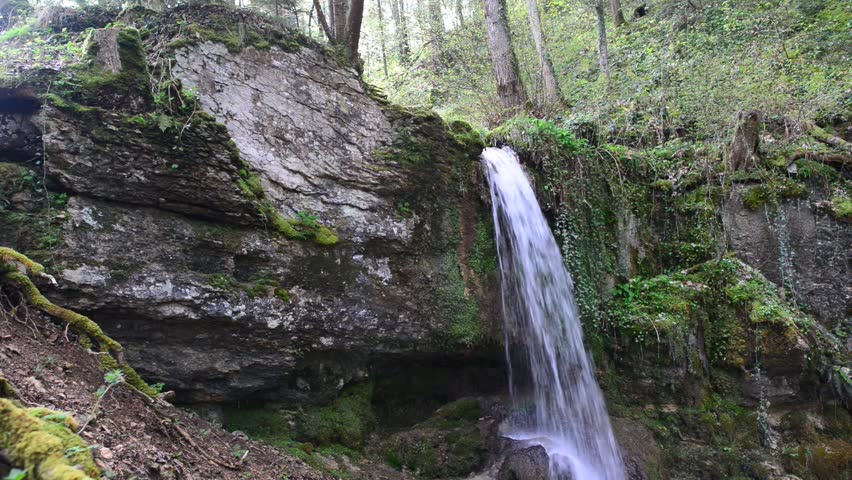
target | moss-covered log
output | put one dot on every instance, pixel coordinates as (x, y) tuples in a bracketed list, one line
[(43, 442)]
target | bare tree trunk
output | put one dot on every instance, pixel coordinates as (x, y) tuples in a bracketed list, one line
[(339, 20), (382, 36), (403, 23), (436, 26), (398, 12), (551, 87), (503, 60), (323, 23), (617, 16), (603, 52), (353, 29), (460, 12), (331, 18)]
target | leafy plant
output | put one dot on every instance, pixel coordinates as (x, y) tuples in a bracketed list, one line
[(16, 474)]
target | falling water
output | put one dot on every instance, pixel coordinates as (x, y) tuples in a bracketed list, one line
[(564, 410)]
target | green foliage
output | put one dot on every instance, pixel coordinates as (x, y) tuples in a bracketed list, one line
[(16, 474), (773, 191)]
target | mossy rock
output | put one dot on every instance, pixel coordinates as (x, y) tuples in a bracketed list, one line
[(449, 444), (347, 421)]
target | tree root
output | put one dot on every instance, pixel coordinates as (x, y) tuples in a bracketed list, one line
[(15, 265), (837, 159), (825, 137)]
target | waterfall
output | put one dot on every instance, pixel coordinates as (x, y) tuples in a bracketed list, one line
[(556, 400)]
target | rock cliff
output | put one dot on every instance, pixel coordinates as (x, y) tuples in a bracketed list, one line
[(275, 236)]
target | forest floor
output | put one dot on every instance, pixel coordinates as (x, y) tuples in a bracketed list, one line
[(131, 435)]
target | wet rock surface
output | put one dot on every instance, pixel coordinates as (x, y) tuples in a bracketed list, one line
[(530, 463), (798, 247)]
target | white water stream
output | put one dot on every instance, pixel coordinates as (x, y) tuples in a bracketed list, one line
[(554, 391)]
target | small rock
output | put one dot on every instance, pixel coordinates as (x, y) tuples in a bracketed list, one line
[(35, 385), (105, 453)]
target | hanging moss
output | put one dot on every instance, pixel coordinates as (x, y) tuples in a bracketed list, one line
[(297, 229), (726, 297), (43, 442)]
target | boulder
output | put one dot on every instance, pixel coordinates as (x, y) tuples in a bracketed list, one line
[(531, 463)]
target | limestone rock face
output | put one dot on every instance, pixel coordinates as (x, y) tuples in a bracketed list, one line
[(798, 247), (107, 157), (307, 125), (168, 248)]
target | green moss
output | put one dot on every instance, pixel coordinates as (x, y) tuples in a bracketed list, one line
[(90, 80), (8, 255), (231, 40), (828, 459), (663, 185), (78, 323), (464, 411), (282, 294), (224, 30), (841, 207), (464, 329), (262, 285), (67, 105), (7, 390), (483, 256), (44, 443), (131, 377), (325, 237), (298, 229), (347, 421), (223, 282), (447, 445), (250, 184), (773, 191), (728, 299)]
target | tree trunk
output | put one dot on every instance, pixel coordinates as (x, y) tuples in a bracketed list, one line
[(460, 12), (548, 76), (617, 16), (353, 29), (436, 23), (503, 60), (339, 20), (603, 53), (401, 30), (331, 18), (382, 36), (326, 28)]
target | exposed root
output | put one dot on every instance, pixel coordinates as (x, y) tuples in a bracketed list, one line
[(827, 138), (838, 159), (16, 265)]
